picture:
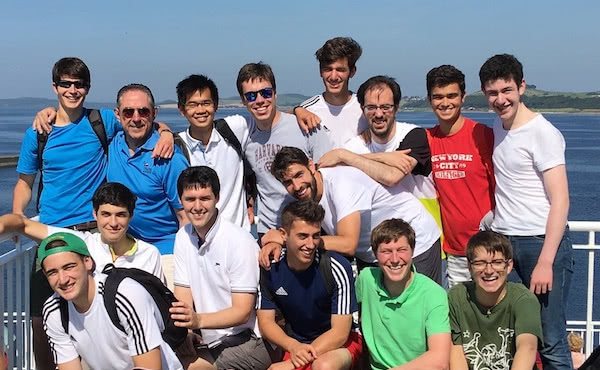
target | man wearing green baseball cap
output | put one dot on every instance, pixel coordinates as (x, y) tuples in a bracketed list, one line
[(89, 334)]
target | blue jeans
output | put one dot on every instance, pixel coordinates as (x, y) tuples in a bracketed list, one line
[(555, 350)]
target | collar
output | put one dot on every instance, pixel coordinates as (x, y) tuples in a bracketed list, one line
[(210, 235), (129, 252), (197, 144), (151, 142), (382, 291)]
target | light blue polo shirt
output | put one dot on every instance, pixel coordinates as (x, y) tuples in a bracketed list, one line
[(154, 182), (74, 167)]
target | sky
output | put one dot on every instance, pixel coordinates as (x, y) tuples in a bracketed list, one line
[(160, 43)]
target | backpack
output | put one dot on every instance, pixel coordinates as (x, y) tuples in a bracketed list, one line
[(223, 128), (42, 138), (162, 296), (324, 270)]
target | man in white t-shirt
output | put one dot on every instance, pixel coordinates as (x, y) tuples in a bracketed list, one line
[(354, 205), (532, 200), (337, 108), (113, 205), (216, 279), (89, 334), (198, 101)]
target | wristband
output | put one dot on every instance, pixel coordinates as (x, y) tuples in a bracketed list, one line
[(165, 130), (296, 107)]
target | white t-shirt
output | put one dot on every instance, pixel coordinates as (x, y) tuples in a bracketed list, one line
[(100, 344), (347, 190), (520, 158), (225, 263), (341, 122), (146, 256), (222, 157)]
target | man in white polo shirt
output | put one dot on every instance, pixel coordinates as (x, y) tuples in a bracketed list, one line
[(216, 279), (113, 205)]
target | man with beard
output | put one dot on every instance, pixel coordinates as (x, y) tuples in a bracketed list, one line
[(354, 204)]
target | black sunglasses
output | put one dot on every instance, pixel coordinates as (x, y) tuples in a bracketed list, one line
[(129, 112), (266, 93), (79, 84)]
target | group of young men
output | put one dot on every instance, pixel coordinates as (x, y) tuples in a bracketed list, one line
[(340, 181)]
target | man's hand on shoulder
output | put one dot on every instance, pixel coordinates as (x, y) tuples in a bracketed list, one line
[(268, 252), (42, 122), (165, 146), (307, 120)]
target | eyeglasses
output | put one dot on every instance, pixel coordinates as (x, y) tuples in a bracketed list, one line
[(79, 84), (266, 93), (129, 112), (497, 265), (385, 108), (193, 105)]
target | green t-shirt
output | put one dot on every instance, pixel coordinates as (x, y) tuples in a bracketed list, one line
[(396, 328), (488, 336)]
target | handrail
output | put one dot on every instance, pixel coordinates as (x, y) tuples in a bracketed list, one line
[(15, 290)]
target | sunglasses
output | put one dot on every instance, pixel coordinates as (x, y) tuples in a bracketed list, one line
[(129, 112), (79, 84), (266, 93)]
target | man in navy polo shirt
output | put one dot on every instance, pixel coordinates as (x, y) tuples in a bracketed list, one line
[(158, 213), (314, 290)]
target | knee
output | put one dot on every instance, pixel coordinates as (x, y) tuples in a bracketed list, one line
[(324, 364)]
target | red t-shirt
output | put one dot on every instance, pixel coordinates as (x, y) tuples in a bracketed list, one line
[(461, 165)]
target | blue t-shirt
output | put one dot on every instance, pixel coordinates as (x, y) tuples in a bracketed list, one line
[(302, 296), (154, 182), (74, 167)]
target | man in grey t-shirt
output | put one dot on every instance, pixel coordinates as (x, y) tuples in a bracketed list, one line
[(270, 130)]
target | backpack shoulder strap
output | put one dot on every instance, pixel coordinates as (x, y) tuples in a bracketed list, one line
[(111, 284), (178, 140), (42, 139), (64, 313), (225, 131), (97, 124), (325, 269)]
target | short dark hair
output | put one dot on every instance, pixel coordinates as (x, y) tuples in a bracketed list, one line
[(132, 87), (73, 67), (193, 83), (445, 75), (492, 242), (252, 71), (305, 210), (198, 177), (287, 156), (501, 66), (375, 82), (392, 230), (338, 48), (115, 194)]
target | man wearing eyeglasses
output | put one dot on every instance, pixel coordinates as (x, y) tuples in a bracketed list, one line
[(159, 213), (494, 323), (270, 130), (392, 152)]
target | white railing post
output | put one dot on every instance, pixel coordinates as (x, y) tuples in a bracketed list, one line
[(589, 327)]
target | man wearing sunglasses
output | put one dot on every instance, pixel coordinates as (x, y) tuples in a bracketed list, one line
[(494, 323), (270, 130), (159, 213)]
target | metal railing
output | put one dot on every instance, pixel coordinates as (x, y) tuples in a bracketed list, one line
[(15, 266)]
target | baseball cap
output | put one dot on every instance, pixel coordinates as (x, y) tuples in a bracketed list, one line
[(69, 243)]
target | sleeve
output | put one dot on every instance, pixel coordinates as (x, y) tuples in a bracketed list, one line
[(349, 197), (454, 306), (63, 349), (527, 315), (263, 300), (310, 101), (157, 270), (174, 168), (358, 286), (416, 141), (486, 145), (437, 318), (343, 299), (111, 123), (28, 161), (239, 126), (549, 150), (83, 235), (180, 269), (136, 311), (243, 268), (318, 144)]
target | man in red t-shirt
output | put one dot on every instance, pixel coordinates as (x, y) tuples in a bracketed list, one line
[(461, 161)]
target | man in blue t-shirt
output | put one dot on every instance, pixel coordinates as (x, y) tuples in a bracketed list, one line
[(159, 213), (314, 290)]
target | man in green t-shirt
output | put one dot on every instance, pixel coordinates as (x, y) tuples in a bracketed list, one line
[(404, 314), (494, 323)]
